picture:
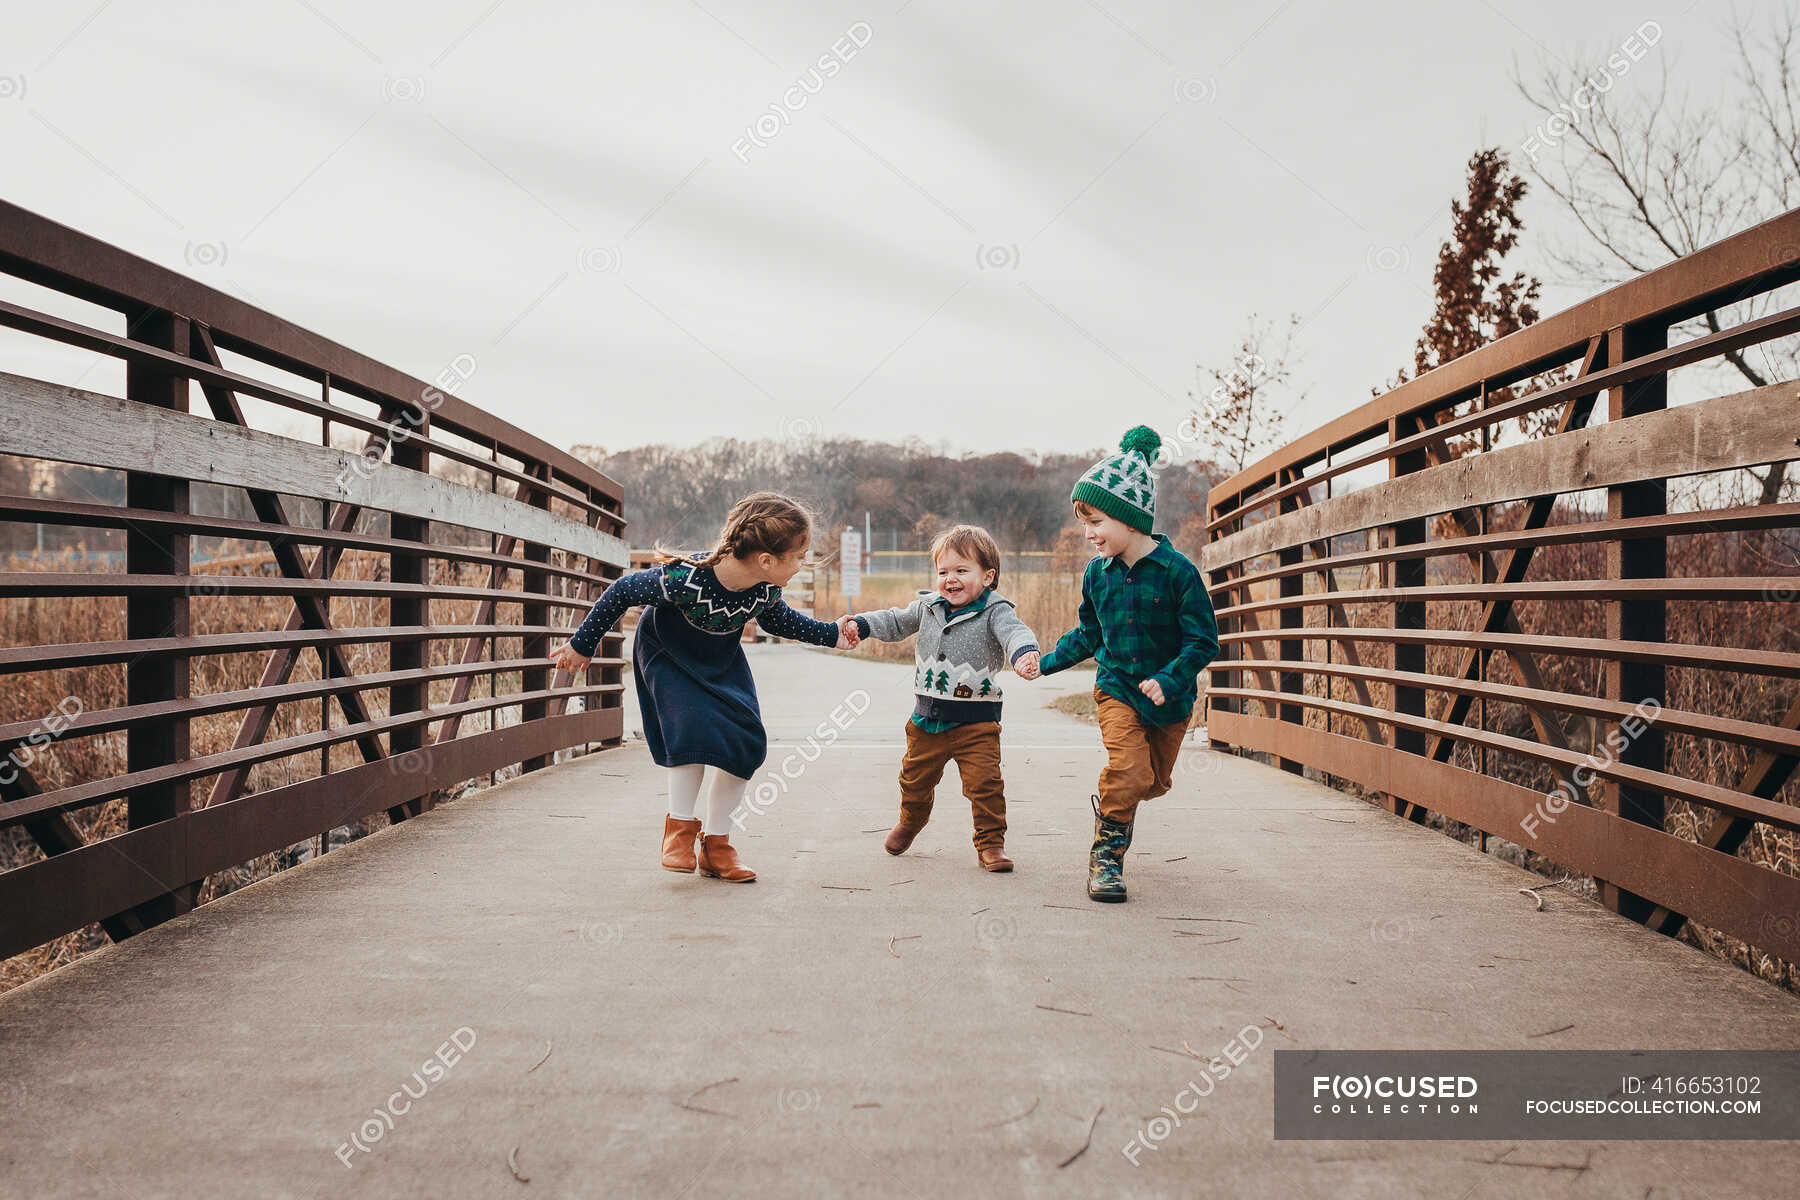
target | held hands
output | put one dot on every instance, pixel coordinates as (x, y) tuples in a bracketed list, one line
[(848, 637), (1027, 666), (1152, 689), (569, 659)]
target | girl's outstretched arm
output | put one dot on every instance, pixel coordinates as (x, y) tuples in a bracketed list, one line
[(627, 591), (784, 622)]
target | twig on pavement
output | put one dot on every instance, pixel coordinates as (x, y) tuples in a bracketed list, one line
[(1035, 1101), (1085, 1144), (692, 1107)]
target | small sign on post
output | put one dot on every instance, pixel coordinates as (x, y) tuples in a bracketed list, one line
[(850, 561)]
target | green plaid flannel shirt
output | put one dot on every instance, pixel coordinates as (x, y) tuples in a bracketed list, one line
[(1153, 620)]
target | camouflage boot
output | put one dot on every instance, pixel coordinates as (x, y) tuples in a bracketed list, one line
[(1106, 863)]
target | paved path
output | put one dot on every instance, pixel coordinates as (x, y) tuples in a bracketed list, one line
[(945, 1032)]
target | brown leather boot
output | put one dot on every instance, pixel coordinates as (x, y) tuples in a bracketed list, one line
[(900, 837), (719, 860), (678, 844), (993, 858)]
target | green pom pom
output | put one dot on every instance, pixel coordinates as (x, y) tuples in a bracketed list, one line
[(1143, 439)]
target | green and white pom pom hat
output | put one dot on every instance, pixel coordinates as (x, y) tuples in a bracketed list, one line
[(1122, 485)]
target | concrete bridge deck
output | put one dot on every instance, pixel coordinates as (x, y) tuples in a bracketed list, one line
[(633, 1033)]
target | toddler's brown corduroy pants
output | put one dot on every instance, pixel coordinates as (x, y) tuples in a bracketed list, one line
[(976, 751)]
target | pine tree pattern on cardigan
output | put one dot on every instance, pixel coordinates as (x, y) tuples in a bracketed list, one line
[(958, 654)]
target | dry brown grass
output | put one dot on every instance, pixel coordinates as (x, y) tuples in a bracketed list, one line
[(1080, 705), (72, 760), (1749, 697)]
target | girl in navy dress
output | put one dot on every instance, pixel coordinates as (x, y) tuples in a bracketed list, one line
[(694, 686)]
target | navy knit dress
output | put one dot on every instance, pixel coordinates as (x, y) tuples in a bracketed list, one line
[(694, 685)]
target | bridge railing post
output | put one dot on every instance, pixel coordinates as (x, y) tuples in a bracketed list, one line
[(607, 669), (413, 608), (1642, 618), (1221, 674), (1292, 617), (1408, 614), (149, 679), (536, 645)]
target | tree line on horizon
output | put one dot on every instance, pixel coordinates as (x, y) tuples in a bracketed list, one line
[(679, 495)]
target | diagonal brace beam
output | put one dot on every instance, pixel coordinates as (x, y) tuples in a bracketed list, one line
[(309, 611), (1497, 615)]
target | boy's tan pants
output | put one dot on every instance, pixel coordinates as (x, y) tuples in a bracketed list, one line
[(1140, 758), (976, 750)]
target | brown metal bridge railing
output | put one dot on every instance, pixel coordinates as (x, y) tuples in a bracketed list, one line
[(1461, 637), (445, 505)]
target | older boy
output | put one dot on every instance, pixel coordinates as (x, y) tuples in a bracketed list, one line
[(1146, 619)]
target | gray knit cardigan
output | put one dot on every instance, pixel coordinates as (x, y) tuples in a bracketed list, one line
[(957, 665)]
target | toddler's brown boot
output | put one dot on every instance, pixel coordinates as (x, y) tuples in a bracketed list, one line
[(900, 837)]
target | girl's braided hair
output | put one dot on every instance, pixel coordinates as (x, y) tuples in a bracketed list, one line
[(762, 522)]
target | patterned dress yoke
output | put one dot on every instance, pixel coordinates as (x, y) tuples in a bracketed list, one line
[(694, 686)]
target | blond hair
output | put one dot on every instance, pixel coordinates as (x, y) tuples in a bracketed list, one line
[(970, 541)]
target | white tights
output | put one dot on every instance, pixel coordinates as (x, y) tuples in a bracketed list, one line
[(721, 801)]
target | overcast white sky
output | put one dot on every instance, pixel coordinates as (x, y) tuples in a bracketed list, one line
[(999, 226)]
